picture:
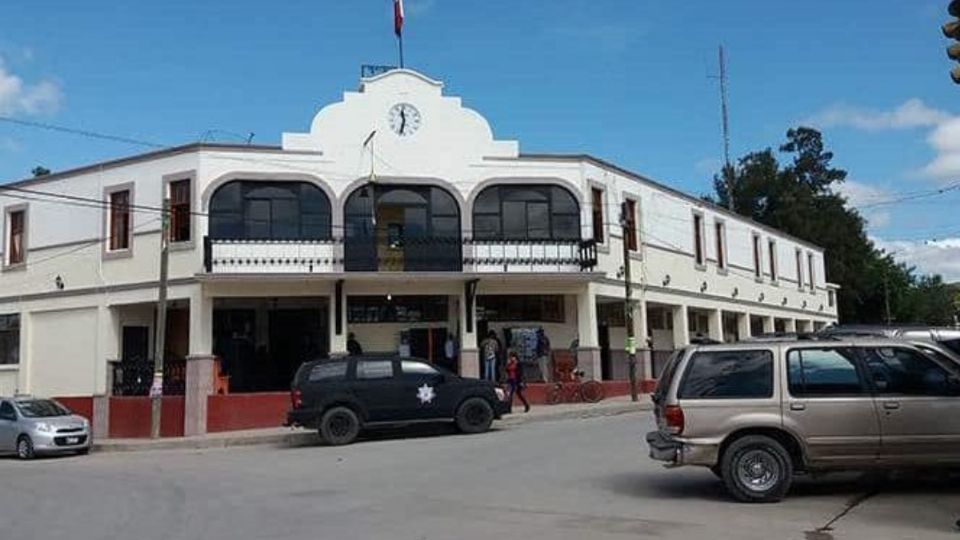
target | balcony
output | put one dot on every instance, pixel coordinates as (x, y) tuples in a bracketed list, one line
[(367, 254)]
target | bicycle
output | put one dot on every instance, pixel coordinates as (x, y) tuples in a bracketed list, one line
[(576, 391)]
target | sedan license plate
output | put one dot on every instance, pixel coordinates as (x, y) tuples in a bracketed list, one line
[(73, 440)]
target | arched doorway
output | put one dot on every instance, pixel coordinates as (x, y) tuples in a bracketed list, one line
[(402, 228)]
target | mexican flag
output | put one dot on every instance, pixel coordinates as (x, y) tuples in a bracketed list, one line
[(398, 17)]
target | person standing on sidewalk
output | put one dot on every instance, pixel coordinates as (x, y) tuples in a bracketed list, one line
[(515, 381), (489, 350)]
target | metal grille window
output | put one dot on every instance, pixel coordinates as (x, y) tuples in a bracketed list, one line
[(631, 219), (772, 247), (698, 239), (15, 241), (10, 339), (120, 220), (720, 231), (180, 211), (757, 269), (597, 214)]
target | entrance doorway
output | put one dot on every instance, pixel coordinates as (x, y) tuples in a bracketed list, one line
[(262, 342)]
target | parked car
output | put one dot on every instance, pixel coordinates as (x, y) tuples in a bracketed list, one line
[(946, 337), (32, 426), (340, 397), (757, 413)]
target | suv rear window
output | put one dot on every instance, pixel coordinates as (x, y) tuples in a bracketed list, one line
[(728, 375)]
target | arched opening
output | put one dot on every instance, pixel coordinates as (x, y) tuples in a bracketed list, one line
[(402, 227), (269, 210), (526, 212)]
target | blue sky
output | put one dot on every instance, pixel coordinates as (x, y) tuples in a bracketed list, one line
[(629, 81)]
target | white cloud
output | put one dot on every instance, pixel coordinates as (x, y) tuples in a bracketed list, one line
[(19, 97), (945, 140), (912, 113), (418, 7), (859, 194), (929, 257)]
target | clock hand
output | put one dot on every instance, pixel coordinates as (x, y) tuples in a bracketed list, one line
[(403, 121)]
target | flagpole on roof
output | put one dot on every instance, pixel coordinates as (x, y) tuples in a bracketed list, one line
[(398, 26)]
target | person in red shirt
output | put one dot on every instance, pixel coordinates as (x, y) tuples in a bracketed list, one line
[(515, 380)]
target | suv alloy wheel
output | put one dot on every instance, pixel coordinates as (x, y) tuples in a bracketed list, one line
[(756, 468)]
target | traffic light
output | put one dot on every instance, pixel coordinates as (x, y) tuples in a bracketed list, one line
[(952, 31)]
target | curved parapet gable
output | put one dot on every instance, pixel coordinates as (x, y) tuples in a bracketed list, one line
[(450, 136)]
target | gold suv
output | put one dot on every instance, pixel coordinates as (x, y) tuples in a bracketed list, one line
[(758, 413)]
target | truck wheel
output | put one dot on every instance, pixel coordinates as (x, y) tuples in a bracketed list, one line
[(339, 425), (475, 415), (756, 469), (25, 448)]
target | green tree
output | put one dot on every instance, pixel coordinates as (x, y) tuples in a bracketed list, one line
[(801, 198)]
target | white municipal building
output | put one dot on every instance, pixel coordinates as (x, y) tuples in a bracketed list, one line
[(428, 229)]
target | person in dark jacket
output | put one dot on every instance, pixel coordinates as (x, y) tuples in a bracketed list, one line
[(515, 380), (353, 346)]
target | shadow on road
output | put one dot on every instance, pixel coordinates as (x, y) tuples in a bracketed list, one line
[(412, 431), (703, 485)]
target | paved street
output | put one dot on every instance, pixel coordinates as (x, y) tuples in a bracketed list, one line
[(561, 479)]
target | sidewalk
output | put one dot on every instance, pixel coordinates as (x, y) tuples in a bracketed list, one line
[(283, 436)]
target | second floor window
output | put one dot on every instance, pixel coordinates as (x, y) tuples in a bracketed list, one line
[(269, 210), (597, 214), (772, 246), (698, 239), (720, 230), (17, 222), (180, 211), (810, 272), (120, 220), (631, 221), (799, 269), (526, 212), (757, 270)]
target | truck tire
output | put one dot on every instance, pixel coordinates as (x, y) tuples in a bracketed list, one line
[(756, 469), (475, 415), (339, 426)]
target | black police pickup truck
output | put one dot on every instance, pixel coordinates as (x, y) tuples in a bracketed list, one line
[(341, 396)]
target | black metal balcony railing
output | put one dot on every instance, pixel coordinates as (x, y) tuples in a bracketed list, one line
[(134, 376), (407, 254)]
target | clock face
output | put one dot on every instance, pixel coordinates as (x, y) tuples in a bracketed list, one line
[(404, 119)]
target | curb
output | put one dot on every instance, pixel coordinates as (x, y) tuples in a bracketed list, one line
[(296, 437)]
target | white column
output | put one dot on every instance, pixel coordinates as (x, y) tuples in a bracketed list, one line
[(200, 364), (768, 326), (644, 360), (109, 338), (588, 351), (743, 325), (790, 325), (681, 327), (715, 324)]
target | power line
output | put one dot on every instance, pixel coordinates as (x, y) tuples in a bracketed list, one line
[(82, 132)]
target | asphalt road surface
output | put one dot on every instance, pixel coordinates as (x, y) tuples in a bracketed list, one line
[(570, 479)]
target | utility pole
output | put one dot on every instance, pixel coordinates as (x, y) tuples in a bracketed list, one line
[(628, 303), (727, 169), (156, 389)]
